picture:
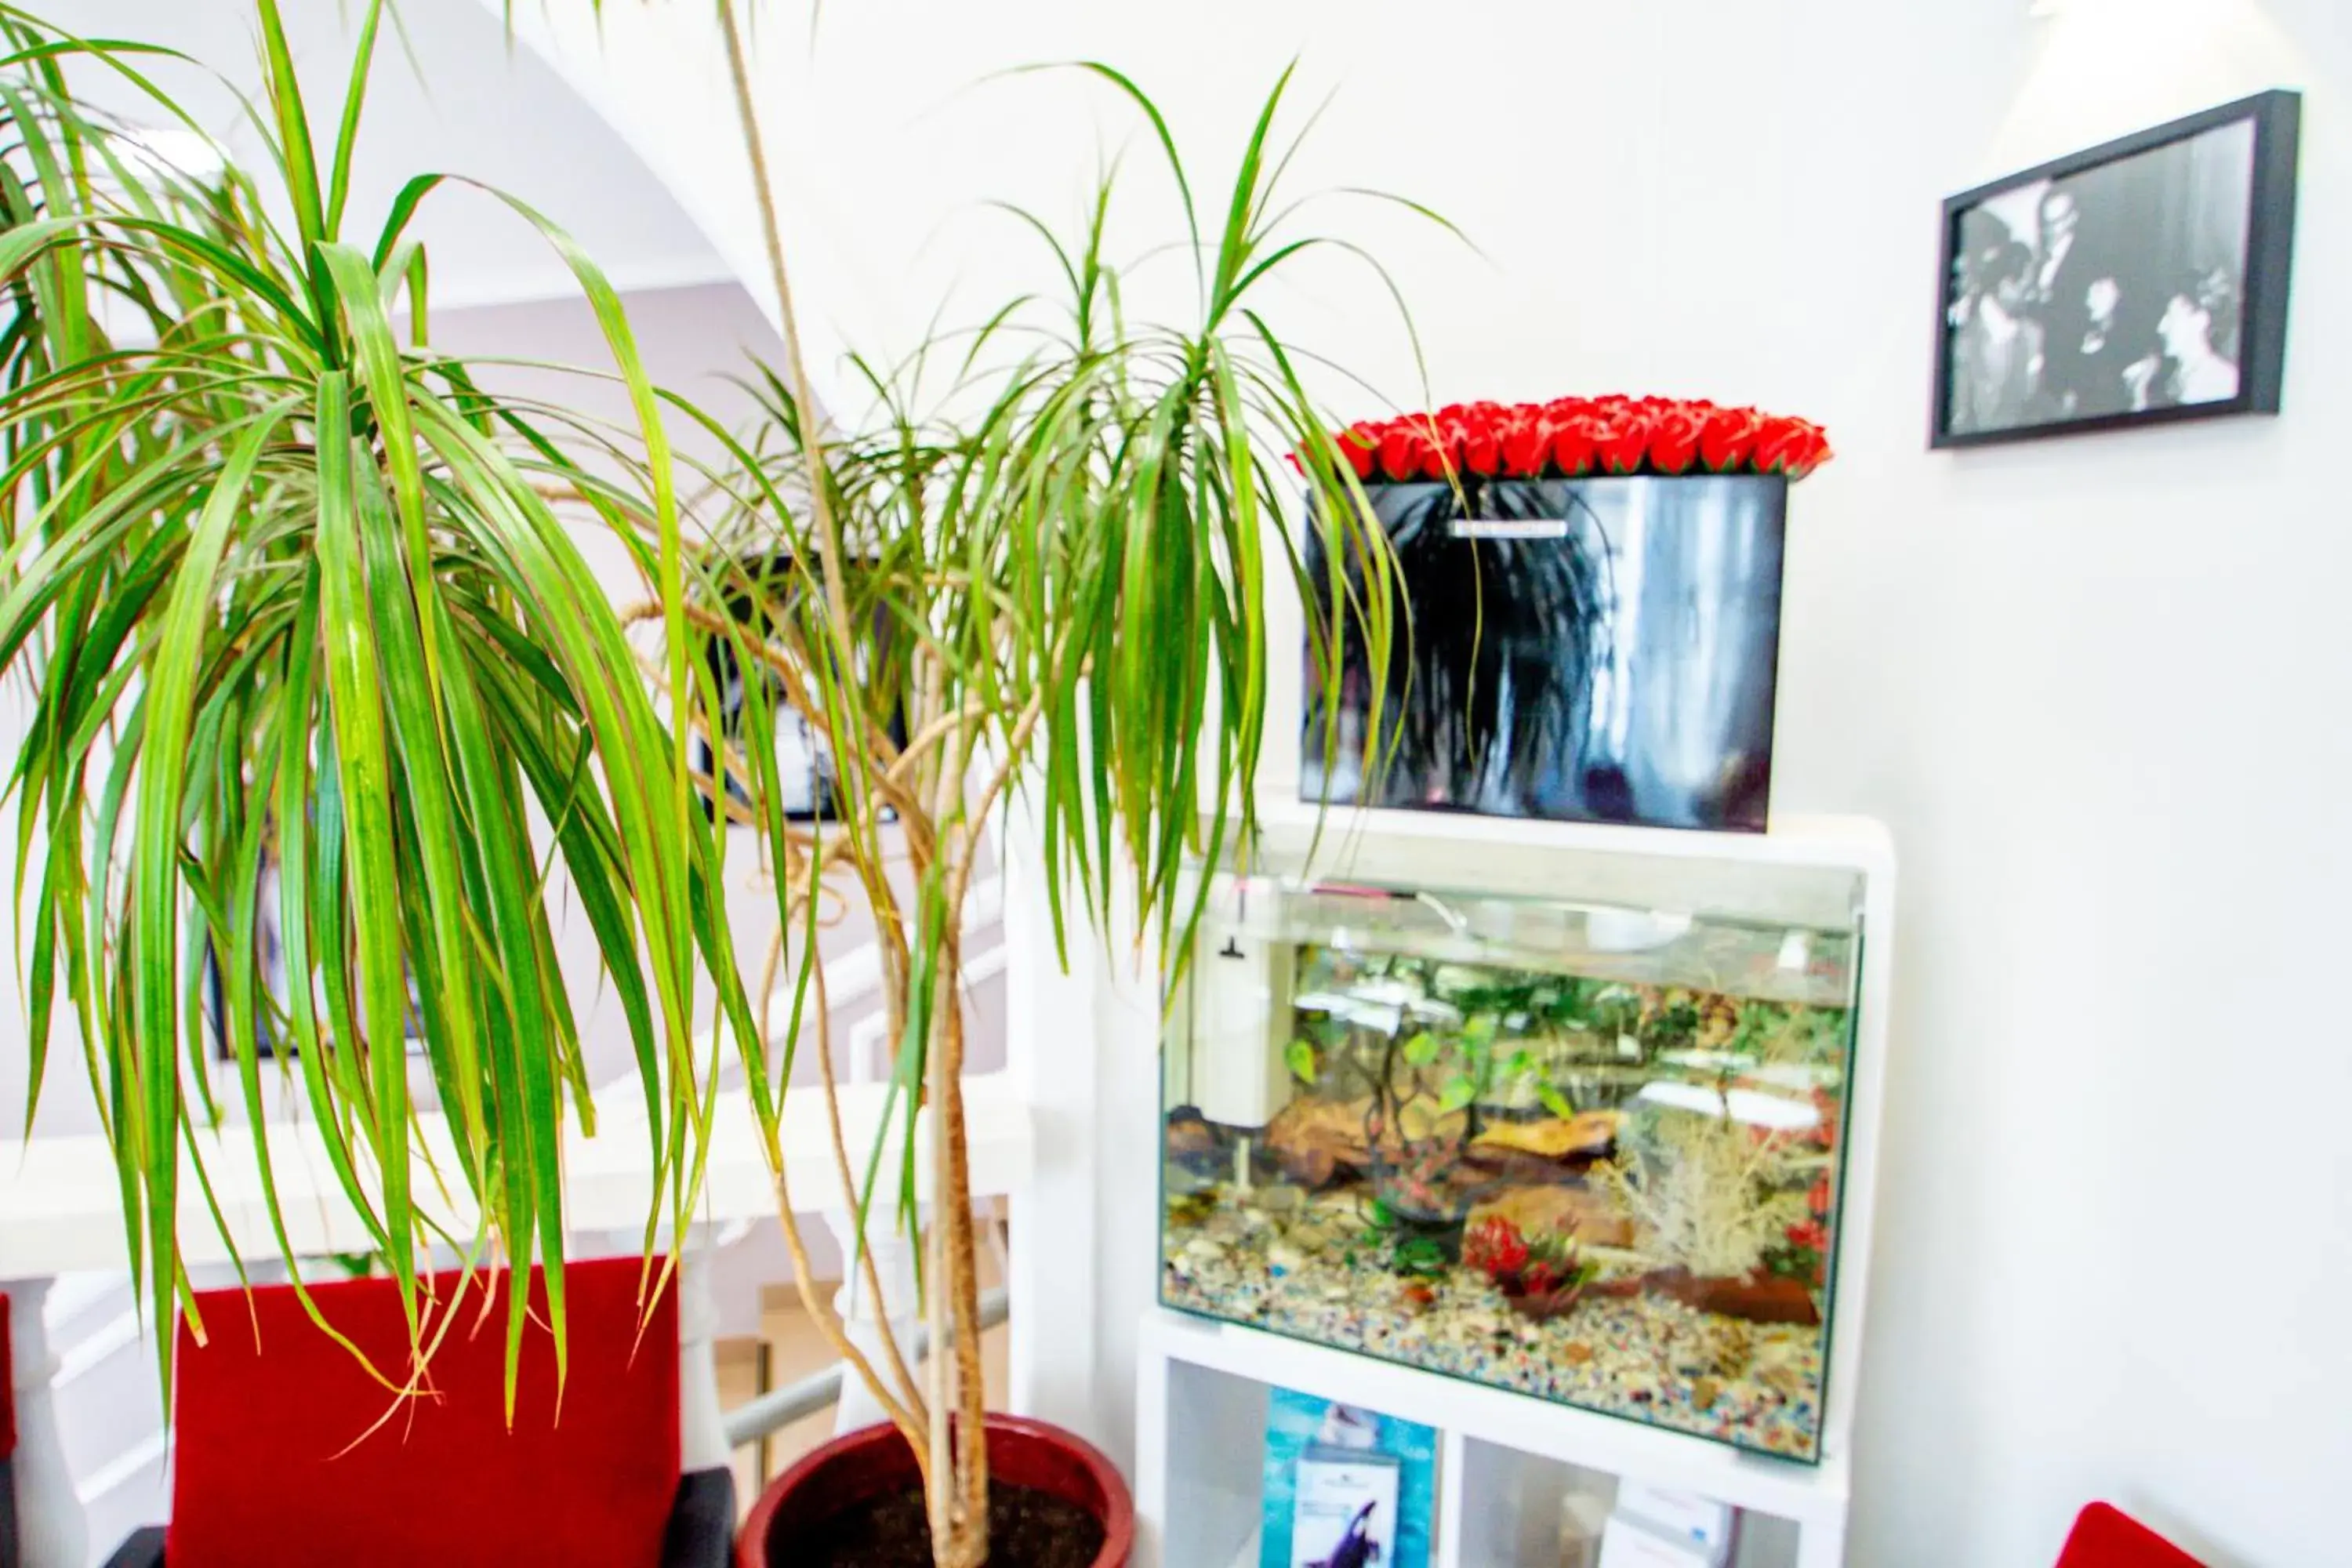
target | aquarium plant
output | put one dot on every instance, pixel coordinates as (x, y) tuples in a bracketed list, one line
[(1539, 1277), (1709, 1190)]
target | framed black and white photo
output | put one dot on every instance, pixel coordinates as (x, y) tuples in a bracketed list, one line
[(806, 774), (2141, 281)]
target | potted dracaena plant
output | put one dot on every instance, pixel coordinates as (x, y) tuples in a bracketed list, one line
[(288, 586), (1055, 582)]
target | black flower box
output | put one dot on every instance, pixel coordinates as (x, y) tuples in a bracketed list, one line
[(1598, 649)]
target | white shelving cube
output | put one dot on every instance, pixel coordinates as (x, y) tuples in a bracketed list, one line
[(1504, 1462)]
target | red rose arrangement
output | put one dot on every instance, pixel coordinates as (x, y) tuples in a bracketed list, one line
[(1575, 437)]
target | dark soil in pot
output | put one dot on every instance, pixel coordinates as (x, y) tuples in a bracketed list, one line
[(1027, 1528), (1055, 1501)]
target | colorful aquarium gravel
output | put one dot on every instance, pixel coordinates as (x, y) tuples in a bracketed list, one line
[(1645, 1356)]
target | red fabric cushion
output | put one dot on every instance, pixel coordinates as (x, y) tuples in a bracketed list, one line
[(2104, 1538), (7, 1385), (276, 1466)]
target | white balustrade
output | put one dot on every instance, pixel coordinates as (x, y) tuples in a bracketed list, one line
[(51, 1532)]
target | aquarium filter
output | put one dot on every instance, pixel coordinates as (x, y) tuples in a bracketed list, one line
[(1241, 1005)]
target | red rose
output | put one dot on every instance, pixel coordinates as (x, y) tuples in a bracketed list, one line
[(1482, 447), (1400, 450), (1791, 447), (1526, 443), (1729, 437), (1621, 441), (1569, 439), (1777, 440), (1674, 439), (1359, 445), (1817, 452), (1440, 447), (1818, 1198)]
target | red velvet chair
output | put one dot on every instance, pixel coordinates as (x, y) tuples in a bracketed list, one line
[(275, 1464), (2103, 1537), (8, 1552)]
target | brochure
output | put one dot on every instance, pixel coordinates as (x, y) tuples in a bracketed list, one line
[(1346, 1487)]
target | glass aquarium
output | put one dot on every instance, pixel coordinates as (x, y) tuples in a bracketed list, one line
[(1587, 1151)]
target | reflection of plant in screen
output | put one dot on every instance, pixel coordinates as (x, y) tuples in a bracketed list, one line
[(1490, 686)]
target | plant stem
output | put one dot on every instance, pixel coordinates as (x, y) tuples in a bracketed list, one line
[(812, 436), (957, 1542)]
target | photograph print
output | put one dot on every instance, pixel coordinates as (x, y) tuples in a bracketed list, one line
[(2141, 281)]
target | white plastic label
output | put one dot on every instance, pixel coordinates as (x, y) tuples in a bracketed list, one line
[(1510, 528)]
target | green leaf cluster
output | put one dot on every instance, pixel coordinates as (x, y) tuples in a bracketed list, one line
[(301, 603)]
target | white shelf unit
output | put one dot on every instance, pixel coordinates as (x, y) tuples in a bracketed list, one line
[(1505, 1459)]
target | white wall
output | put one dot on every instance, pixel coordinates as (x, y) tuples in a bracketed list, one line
[(2094, 685), (448, 96)]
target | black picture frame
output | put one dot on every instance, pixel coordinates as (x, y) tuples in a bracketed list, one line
[(806, 769), (2263, 277)]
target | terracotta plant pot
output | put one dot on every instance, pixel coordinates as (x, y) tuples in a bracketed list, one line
[(876, 1461)]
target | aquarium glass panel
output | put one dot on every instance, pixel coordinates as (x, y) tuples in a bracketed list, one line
[(1587, 1151)]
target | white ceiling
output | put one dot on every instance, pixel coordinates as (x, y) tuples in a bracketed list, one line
[(456, 99)]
